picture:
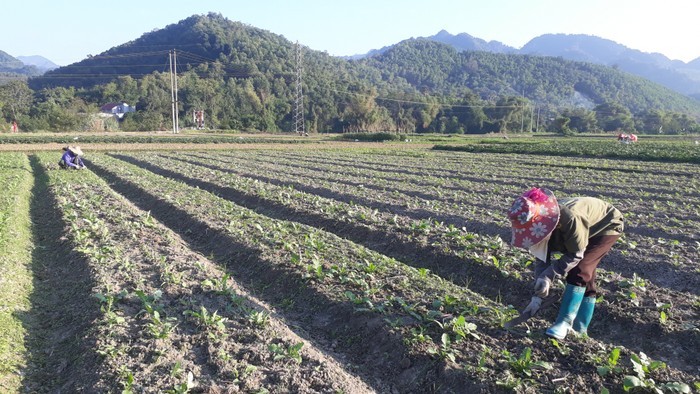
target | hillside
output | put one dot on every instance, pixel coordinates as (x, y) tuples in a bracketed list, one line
[(12, 68), (656, 67), (243, 77), (439, 68), (40, 62)]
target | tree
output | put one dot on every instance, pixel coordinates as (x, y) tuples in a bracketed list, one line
[(613, 117), (561, 125), (581, 120), (16, 98), (509, 113)]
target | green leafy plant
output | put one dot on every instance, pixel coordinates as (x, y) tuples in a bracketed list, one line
[(444, 349), (291, 352), (643, 366), (524, 364), (663, 309), (463, 328), (259, 318), (107, 307), (610, 363), (208, 320)]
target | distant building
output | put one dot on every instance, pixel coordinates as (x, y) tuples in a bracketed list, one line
[(117, 109)]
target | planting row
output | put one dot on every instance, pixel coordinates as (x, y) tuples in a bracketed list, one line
[(15, 270), (450, 252), (677, 150), (660, 217), (166, 318), (351, 289)]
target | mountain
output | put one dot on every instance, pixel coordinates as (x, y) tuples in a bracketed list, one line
[(244, 77), (12, 68), (40, 62), (440, 69), (679, 76), (674, 74), (465, 42)]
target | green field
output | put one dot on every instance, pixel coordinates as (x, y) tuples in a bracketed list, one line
[(328, 267)]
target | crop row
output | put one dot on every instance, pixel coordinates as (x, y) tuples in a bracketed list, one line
[(169, 319), (682, 151), (450, 252), (479, 201), (15, 270), (144, 139), (434, 316)]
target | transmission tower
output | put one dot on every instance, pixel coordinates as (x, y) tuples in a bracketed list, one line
[(299, 127)]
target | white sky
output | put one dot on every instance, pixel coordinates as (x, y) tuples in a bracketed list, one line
[(67, 31)]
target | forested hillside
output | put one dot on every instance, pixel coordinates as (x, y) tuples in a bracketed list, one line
[(12, 68), (244, 79)]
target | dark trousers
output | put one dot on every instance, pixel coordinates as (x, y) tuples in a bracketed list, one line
[(584, 273)]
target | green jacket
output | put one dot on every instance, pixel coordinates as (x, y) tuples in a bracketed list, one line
[(580, 219)]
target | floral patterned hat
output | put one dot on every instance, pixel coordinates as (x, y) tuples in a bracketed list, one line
[(534, 215)]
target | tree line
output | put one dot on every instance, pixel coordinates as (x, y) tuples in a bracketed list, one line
[(243, 78)]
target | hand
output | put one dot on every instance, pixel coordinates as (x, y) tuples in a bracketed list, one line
[(542, 285), (533, 306)]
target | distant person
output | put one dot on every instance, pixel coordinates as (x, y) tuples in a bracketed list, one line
[(71, 158), (14, 126)]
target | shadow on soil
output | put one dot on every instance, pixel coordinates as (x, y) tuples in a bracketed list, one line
[(484, 279), (331, 324), (61, 354)]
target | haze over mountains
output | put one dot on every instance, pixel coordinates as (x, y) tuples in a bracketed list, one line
[(677, 75), (40, 62)]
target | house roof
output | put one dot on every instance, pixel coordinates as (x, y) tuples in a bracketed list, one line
[(110, 106)]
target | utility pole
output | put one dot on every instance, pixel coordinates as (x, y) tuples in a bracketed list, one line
[(299, 126), (173, 91), (177, 114)]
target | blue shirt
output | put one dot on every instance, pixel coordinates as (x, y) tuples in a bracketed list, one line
[(69, 159)]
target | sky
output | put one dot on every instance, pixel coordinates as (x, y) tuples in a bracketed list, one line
[(68, 31)]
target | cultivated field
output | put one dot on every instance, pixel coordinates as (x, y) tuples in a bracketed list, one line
[(304, 270)]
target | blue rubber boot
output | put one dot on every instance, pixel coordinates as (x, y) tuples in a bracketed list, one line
[(584, 315), (573, 295)]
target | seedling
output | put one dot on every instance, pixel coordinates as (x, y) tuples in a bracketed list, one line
[(643, 366), (563, 349), (610, 363), (524, 364), (663, 315), (185, 387), (291, 352), (220, 286), (463, 329), (259, 318), (160, 328), (444, 351), (210, 321), (107, 305)]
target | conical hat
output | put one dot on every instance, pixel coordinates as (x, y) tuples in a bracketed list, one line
[(76, 150)]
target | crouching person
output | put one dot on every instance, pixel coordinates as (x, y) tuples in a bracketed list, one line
[(72, 158), (583, 229)]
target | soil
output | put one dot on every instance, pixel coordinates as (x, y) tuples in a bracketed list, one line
[(367, 290)]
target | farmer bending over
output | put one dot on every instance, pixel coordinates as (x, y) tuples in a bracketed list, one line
[(583, 229), (71, 158)]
